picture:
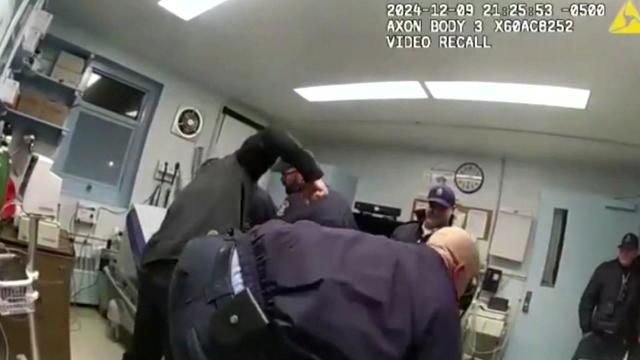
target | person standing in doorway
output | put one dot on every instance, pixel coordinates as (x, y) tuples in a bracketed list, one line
[(609, 306)]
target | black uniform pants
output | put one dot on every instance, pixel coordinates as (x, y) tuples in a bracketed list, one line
[(151, 331), (595, 346)]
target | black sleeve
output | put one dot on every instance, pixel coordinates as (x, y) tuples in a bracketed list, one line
[(260, 151), (285, 147), (397, 234), (407, 232), (442, 340), (589, 300)]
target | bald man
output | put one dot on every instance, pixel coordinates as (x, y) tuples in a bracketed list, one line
[(303, 291)]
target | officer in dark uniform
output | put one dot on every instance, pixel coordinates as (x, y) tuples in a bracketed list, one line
[(262, 208), (609, 307), (442, 202), (305, 291), (216, 200), (332, 211)]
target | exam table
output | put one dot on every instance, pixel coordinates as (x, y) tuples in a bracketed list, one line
[(118, 297)]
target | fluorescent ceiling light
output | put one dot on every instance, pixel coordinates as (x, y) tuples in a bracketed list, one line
[(189, 9), (510, 93), (364, 91)]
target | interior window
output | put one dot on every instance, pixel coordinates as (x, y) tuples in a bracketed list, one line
[(94, 156), (113, 95)]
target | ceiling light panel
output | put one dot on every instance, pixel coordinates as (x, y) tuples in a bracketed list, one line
[(510, 93), (364, 91), (189, 9)]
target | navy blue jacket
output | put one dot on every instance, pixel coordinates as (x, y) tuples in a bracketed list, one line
[(410, 232), (332, 211), (377, 299)]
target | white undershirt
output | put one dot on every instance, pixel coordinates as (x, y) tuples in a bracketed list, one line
[(236, 273)]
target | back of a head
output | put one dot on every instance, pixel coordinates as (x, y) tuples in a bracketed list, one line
[(255, 156), (460, 244)]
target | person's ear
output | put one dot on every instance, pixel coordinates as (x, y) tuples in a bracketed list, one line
[(459, 271)]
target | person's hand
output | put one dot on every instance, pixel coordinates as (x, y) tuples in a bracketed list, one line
[(315, 191)]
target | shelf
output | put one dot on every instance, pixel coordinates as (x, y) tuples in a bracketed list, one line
[(48, 85), (52, 80), (20, 116)]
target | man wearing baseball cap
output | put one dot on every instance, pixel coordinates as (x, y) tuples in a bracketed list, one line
[(442, 202), (609, 306)]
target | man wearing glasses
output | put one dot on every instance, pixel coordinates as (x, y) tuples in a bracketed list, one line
[(609, 306), (332, 211)]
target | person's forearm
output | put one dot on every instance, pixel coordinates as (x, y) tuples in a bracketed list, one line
[(282, 145), (260, 151)]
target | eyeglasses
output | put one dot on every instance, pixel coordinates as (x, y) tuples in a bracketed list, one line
[(289, 172)]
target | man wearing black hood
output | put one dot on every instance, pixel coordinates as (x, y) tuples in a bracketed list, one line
[(217, 200)]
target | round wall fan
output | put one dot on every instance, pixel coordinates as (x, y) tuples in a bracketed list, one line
[(188, 123)]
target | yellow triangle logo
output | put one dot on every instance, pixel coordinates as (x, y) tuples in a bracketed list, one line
[(627, 21)]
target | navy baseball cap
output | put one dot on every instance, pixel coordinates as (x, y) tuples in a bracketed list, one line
[(629, 242), (443, 195)]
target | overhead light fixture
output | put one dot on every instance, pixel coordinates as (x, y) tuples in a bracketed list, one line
[(510, 93), (364, 91), (189, 9)]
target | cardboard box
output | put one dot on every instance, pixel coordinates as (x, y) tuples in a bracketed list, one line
[(54, 112), (38, 106), (31, 103), (70, 63), (66, 77)]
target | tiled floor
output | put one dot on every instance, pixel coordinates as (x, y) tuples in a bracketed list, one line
[(90, 336)]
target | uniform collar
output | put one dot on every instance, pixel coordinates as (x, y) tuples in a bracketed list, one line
[(425, 230), (425, 233)]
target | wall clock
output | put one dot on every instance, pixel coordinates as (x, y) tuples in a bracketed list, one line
[(469, 177)]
